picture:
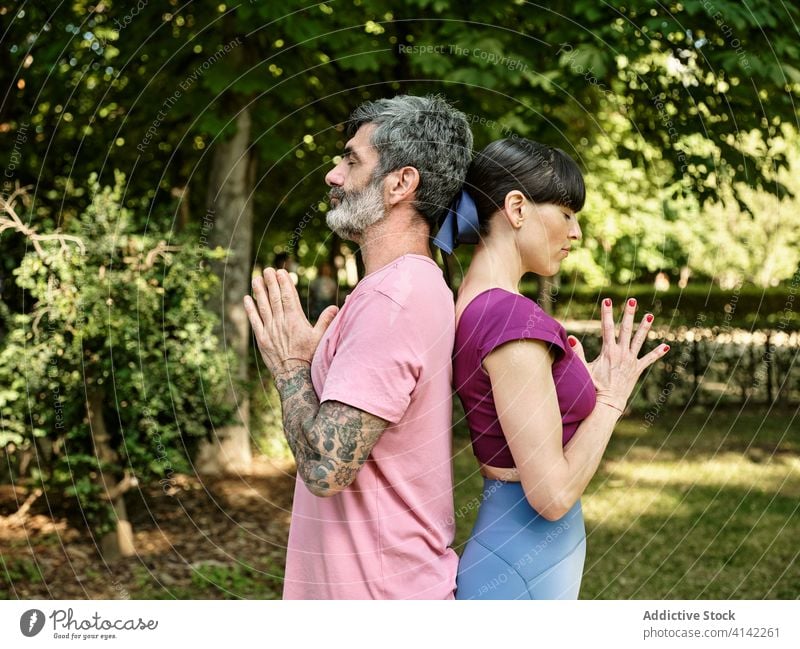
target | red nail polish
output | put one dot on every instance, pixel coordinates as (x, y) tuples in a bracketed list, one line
[(572, 342), (666, 348), (649, 317), (607, 302), (631, 302)]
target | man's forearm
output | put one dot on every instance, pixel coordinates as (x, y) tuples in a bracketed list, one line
[(300, 407), (331, 441)]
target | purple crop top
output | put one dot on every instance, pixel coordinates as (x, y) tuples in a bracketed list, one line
[(494, 317)]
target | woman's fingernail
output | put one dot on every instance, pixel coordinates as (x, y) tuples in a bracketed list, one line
[(666, 348), (631, 302), (572, 342), (649, 317), (607, 302)]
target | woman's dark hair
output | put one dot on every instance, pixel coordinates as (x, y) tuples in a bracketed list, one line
[(542, 173)]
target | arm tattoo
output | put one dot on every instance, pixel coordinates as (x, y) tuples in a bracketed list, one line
[(330, 442)]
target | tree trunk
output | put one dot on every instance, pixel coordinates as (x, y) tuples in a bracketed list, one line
[(696, 369), (768, 363), (182, 194), (118, 543), (229, 206)]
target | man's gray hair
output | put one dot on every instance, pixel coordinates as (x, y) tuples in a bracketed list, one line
[(422, 132)]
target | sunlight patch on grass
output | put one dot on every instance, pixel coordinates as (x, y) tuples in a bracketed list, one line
[(618, 507), (725, 470)]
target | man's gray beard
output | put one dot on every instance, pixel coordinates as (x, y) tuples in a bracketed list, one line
[(357, 211)]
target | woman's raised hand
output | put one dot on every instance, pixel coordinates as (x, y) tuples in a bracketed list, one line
[(618, 367)]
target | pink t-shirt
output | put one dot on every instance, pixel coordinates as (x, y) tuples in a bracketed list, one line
[(387, 536)]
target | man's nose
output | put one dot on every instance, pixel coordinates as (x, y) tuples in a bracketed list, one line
[(335, 177)]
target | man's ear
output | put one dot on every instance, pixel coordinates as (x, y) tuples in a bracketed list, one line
[(401, 184), (513, 208)]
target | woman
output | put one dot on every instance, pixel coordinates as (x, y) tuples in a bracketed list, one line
[(539, 415)]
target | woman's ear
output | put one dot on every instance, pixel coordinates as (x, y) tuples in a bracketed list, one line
[(401, 185), (513, 208)]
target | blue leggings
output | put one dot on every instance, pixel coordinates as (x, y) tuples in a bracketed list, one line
[(514, 553)]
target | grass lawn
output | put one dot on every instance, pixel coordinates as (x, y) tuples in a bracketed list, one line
[(697, 505)]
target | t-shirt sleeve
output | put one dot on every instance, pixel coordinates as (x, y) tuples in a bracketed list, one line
[(376, 365), (515, 317)]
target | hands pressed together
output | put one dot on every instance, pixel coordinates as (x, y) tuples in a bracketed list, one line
[(618, 367), (285, 337)]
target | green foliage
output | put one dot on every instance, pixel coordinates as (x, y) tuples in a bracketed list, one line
[(697, 305), (657, 102), (628, 225), (20, 570), (266, 424), (750, 234), (239, 581), (125, 320)]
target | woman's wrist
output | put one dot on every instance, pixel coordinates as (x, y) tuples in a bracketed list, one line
[(610, 405)]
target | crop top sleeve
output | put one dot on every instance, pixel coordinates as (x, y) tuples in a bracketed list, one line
[(496, 317)]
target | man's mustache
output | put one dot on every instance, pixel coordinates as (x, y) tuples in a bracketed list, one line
[(337, 193)]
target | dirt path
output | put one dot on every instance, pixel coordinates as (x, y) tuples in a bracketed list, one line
[(214, 538)]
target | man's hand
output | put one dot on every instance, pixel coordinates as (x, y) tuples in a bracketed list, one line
[(284, 335)]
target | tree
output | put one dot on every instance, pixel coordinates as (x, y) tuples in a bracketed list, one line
[(758, 243), (113, 373)]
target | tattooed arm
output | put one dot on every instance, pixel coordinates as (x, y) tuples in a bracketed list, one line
[(330, 442)]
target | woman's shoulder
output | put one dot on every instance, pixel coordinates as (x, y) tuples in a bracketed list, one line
[(498, 306), (498, 316)]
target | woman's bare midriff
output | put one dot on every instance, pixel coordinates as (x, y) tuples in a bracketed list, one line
[(500, 473)]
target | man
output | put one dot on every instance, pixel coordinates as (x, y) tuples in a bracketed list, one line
[(366, 393)]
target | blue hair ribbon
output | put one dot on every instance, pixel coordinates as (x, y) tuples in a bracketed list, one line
[(461, 224)]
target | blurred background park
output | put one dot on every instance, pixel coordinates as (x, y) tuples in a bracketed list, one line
[(156, 154)]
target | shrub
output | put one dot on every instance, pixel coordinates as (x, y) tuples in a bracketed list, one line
[(113, 373)]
